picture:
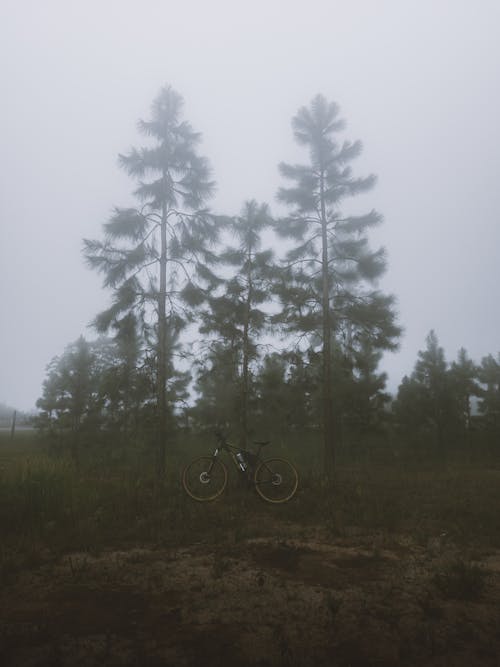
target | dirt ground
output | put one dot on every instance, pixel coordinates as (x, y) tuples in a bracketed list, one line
[(358, 600)]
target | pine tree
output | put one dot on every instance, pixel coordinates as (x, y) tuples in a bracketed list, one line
[(70, 398), (365, 408), (274, 401), (463, 377), (410, 408), (125, 387), (489, 406), (427, 399), (322, 286), (154, 257), (235, 315), (217, 404)]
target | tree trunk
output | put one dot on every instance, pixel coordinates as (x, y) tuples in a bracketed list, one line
[(440, 435), (468, 440), (75, 442), (328, 420), (246, 355), (13, 425), (162, 351), (244, 397)]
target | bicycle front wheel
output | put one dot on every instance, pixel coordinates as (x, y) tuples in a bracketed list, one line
[(276, 480), (204, 479)]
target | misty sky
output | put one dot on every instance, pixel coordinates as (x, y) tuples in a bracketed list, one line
[(417, 82)]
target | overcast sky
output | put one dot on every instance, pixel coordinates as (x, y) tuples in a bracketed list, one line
[(417, 82)]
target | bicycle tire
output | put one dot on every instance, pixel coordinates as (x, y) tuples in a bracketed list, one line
[(276, 480), (213, 483)]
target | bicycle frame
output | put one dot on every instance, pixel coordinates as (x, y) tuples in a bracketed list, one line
[(233, 451)]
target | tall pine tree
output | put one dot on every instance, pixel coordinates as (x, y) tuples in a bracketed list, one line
[(235, 316), (323, 286), (152, 257)]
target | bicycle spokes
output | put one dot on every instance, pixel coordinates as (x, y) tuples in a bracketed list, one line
[(205, 478), (276, 480)]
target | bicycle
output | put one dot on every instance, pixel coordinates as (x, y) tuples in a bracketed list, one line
[(275, 480)]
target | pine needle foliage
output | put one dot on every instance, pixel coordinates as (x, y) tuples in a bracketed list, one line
[(322, 283), (236, 317), (155, 258)]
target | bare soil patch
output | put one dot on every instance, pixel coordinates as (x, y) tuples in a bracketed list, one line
[(308, 600)]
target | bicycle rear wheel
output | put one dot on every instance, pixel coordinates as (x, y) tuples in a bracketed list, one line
[(276, 480), (204, 479)]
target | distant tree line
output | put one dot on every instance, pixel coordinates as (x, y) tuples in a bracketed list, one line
[(449, 405), (100, 387), (201, 303)]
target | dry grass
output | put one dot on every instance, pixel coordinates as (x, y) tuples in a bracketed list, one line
[(48, 506)]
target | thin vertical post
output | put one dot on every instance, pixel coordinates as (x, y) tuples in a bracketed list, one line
[(13, 425)]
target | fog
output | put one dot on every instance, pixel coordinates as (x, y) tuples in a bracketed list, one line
[(416, 82)]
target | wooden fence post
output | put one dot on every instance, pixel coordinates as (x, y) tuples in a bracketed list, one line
[(13, 427)]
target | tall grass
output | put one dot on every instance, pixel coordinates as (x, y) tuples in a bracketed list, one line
[(47, 507)]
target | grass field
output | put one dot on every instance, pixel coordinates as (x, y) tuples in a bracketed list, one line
[(45, 499), (417, 542)]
